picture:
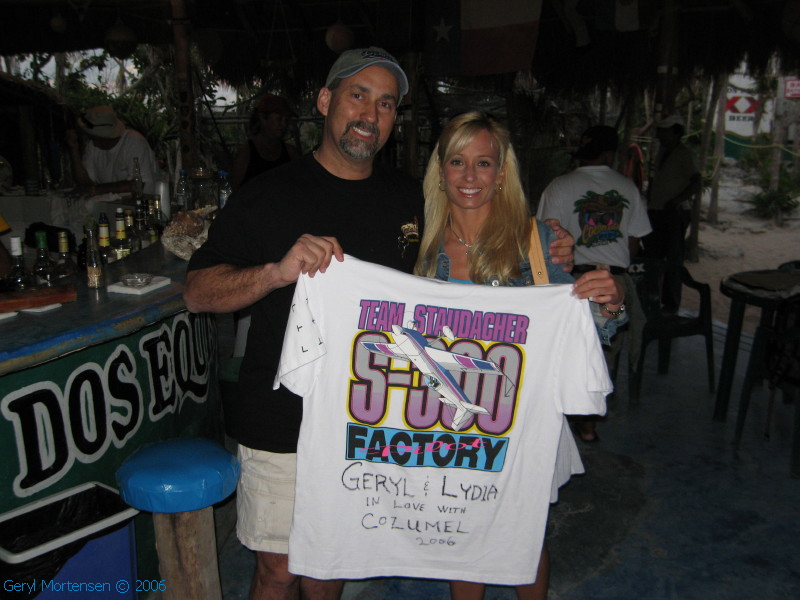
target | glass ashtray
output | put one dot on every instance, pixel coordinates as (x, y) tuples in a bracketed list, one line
[(136, 280)]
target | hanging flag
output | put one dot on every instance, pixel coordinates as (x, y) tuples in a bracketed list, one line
[(443, 38), (498, 36)]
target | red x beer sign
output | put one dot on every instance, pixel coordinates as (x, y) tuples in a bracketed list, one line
[(741, 104)]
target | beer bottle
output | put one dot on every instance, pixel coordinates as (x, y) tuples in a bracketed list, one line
[(121, 243), (95, 275), (152, 221), (133, 238), (44, 269), (140, 219), (18, 277), (160, 220), (107, 253), (65, 266)]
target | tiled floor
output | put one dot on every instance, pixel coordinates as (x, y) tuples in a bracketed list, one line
[(668, 509)]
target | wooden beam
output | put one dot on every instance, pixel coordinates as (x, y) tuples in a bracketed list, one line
[(183, 84)]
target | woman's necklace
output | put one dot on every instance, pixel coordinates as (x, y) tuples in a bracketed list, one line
[(458, 237)]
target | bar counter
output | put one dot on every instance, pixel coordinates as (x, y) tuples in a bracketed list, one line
[(31, 338), (86, 384)]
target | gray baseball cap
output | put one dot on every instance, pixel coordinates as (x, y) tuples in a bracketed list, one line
[(351, 62)]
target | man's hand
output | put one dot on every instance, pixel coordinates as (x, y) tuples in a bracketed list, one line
[(561, 249), (310, 254), (226, 288)]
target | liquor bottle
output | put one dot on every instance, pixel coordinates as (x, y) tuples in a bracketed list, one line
[(44, 269), (65, 266), (95, 275), (224, 188), (181, 195), (120, 243), (154, 225), (140, 225), (134, 241), (107, 253), (138, 186), (159, 220), (18, 277), (152, 234)]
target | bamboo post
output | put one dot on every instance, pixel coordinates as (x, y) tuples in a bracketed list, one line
[(717, 85), (693, 250), (183, 80), (778, 139), (668, 41), (719, 151), (665, 92)]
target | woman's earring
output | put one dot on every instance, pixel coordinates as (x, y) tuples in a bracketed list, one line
[(441, 185), (499, 187)]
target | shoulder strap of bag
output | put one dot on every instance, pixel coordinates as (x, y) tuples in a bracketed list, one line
[(536, 256)]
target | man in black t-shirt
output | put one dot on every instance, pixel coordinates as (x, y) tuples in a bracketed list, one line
[(291, 220), (257, 248)]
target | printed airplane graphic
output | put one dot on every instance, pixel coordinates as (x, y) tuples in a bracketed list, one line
[(435, 366)]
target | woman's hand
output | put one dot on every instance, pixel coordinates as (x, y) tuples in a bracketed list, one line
[(600, 286)]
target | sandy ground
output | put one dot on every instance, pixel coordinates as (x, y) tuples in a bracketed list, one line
[(739, 242)]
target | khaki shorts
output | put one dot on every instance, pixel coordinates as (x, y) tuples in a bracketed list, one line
[(265, 500)]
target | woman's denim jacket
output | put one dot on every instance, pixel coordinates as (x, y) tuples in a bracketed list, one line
[(606, 328)]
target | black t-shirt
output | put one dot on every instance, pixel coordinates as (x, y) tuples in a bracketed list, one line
[(258, 225)]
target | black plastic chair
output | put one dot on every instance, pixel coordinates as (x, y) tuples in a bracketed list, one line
[(648, 275)]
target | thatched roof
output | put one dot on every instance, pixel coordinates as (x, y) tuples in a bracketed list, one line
[(712, 37), (246, 39), (15, 91)]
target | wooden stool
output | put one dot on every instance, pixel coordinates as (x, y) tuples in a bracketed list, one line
[(178, 481)]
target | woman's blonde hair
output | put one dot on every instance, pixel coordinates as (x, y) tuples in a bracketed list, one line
[(503, 239)]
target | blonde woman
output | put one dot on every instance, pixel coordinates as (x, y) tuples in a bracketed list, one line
[(477, 230)]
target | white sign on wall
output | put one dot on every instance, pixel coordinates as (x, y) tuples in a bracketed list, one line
[(791, 87), (742, 107)]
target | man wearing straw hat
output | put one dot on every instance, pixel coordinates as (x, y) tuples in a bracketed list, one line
[(106, 165)]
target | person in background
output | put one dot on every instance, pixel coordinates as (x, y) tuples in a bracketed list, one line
[(477, 228), (675, 181), (106, 165), (265, 147), (606, 215), (296, 220)]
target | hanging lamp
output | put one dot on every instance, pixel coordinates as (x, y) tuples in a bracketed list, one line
[(120, 40)]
